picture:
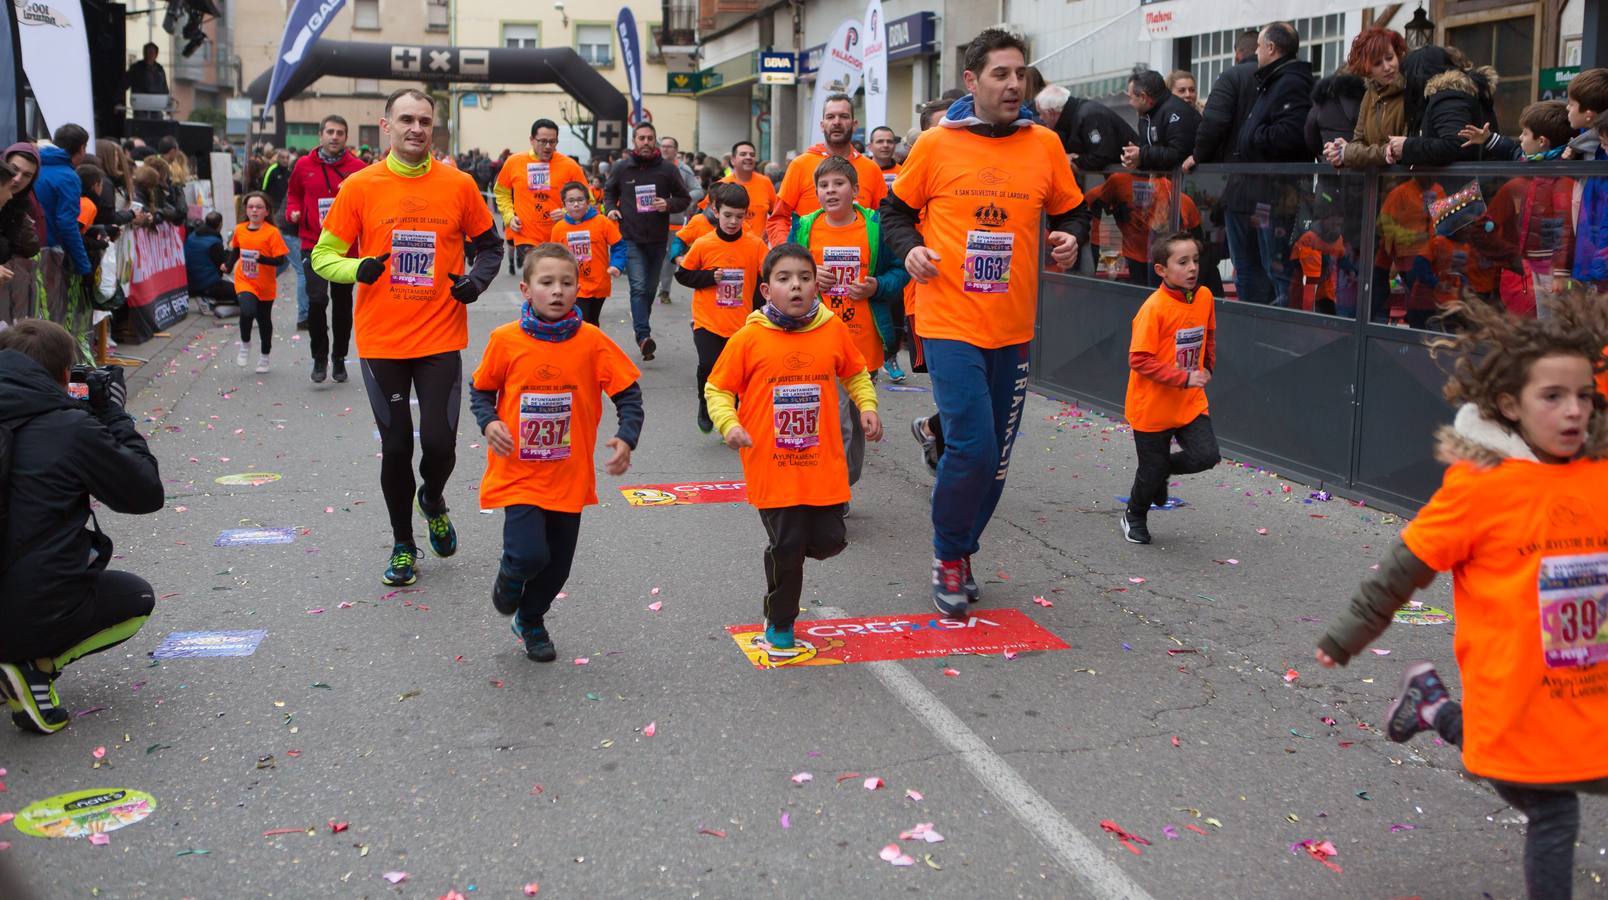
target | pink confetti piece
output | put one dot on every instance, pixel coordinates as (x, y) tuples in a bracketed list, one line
[(1011, 654), (395, 877), (894, 855), (6, 817), (1261, 531), (952, 673), (561, 595), (343, 605), (654, 592), (922, 832), (1291, 675), (650, 729), (914, 795), (582, 660), (803, 778), (329, 509), (873, 783), (1136, 581), (1377, 652), (315, 611), (1043, 602), (787, 821), (532, 888), (656, 605), (181, 509), (100, 840), (1399, 827), (99, 753), (1169, 832)]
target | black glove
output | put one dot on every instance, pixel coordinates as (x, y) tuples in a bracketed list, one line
[(464, 290), (371, 268), (107, 390)]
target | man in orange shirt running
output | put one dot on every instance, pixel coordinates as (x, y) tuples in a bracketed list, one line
[(761, 193), (796, 196), (978, 185), (528, 186)]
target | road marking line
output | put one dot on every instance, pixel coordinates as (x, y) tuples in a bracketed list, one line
[(1071, 849)]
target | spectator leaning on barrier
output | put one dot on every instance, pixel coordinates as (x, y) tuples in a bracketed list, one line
[(1167, 124), (1376, 55), (1227, 106), (1336, 103), (1445, 94), (58, 188), (1093, 133), (19, 235)]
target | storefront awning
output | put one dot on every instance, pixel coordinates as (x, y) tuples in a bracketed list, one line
[(1166, 19)]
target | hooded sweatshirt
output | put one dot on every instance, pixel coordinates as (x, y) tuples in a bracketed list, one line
[(58, 189), (20, 234)]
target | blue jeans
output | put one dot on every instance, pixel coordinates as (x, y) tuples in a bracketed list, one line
[(980, 394), (1251, 247), (294, 258), (642, 265)]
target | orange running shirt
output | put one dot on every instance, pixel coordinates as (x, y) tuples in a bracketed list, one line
[(889, 174), (535, 186), (249, 276), (798, 184), (697, 226), (982, 199), (787, 400), (589, 243), (1179, 334), (723, 308), (1527, 546), (86, 213), (1146, 204), (761, 200), (423, 223), (847, 252), (550, 395)]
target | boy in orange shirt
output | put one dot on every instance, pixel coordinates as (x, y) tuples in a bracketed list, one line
[(773, 397), (537, 398), (587, 235), (1520, 522), (1171, 357), (258, 250), (856, 276), (722, 268)]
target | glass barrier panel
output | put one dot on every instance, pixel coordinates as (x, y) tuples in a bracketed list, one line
[(1128, 210)]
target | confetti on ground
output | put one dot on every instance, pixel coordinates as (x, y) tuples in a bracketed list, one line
[(1377, 652), (531, 889), (1318, 850), (921, 832), (656, 605), (913, 795), (1291, 676), (651, 729), (582, 660), (873, 783), (894, 855), (1131, 841), (712, 832), (1136, 581), (100, 840), (952, 672), (803, 778), (395, 877), (1043, 602)]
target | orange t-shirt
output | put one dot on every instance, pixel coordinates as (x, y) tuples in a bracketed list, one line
[(550, 395), (982, 199), (589, 243), (250, 277), (723, 308), (697, 226), (786, 384), (761, 200), (423, 223), (86, 213), (535, 186), (846, 251), (889, 174), (797, 191), (1175, 332), (1527, 546), (1148, 209), (1309, 252)]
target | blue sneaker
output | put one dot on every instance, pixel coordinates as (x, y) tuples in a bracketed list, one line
[(443, 537), (403, 569), (949, 588), (896, 374), (1421, 688), (779, 638), (538, 643)]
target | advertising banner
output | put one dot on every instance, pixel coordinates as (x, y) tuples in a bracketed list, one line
[(631, 51), (840, 70), (874, 55), (55, 55)]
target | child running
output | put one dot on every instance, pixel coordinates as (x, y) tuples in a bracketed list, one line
[(1171, 356), (1520, 523), (773, 394), (258, 249), (589, 236), (722, 268), (535, 397)]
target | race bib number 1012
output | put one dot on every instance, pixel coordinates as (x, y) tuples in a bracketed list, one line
[(413, 256)]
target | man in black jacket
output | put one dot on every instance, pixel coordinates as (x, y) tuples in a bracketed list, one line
[(1274, 130), (1093, 133), (642, 192), (1167, 124), (1227, 106), (58, 601)]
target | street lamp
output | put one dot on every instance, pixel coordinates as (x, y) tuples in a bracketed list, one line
[(1420, 30)]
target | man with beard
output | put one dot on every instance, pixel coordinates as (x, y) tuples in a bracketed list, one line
[(313, 184), (643, 190), (761, 193), (796, 196)]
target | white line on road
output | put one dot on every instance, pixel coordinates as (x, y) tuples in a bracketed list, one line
[(1070, 848)]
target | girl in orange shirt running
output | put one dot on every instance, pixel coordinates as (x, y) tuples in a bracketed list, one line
[(1521, 520), (257, 250)]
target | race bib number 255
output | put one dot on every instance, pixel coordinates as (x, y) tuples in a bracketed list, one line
[(798, 415)]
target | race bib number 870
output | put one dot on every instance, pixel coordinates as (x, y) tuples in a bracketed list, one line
[(988, 262), (544, 427), (798, 415), (1573, 591)]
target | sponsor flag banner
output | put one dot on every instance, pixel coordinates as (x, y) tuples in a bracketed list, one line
[(55, 55), (840, 69), (158, 291), (874, 56), (631, 51), (307, 20), (833, 642), (687, 493)]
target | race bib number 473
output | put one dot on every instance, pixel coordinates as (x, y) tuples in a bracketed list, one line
[(413, 256), (544, 426), (798, 415), (1573, 591), (844, 264), (988, 262)]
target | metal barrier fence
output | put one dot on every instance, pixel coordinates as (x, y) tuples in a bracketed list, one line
[(1328, 284)]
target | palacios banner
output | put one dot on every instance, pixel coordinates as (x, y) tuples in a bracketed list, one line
[(55, 55), (840, 69), (631, 51), (307, 20), (874, 55)]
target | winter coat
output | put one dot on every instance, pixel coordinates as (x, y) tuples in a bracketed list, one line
[(58, 188), (1227, 105), (1336, 102), (1095, 132), (1383, 115), (64, 453), (1591, 229), (312, 180), (1274, 131), (1167, 134), (620, 194), (1452, 99)]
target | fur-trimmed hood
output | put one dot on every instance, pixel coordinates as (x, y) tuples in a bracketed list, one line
[(1473, 438), (1477, 82)]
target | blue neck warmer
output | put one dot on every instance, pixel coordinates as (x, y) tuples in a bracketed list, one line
[(543, 330)]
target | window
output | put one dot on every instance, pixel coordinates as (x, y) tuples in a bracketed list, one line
[(435, 15), (301, 135), (1323, 44), (595, 43), (526, 35), (368, 136), (365, 85), (655, 32), (366, 14), (1509, 45)]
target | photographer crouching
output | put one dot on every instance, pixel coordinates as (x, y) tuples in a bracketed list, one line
[(58, 601)]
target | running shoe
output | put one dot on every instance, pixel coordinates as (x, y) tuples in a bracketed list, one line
[(948, 588), (664, 296), (779, 638), (647, 346), (262, 364), (896, 373), (968, 582), (320, 371), (705, 424), (538, 643), (34, 692), (403, 570), (443, 537), (243, 354), (929, 446), (338, 371), (1135, 532), (505, 594), (12, 703), (1421, 687)]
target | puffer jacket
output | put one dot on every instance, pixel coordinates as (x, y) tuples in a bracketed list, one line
[(1226, 108), (1167, 134), (1452, 100), (1336, 102), (1383, 115)]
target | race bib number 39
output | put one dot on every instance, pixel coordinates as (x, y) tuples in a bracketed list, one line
[(1187, 346), (538, 176), (248, 263), (844, 264), (988, 262), (798, 415), (580, 245), (1572, 590), (544, 427), (729, 288), (413, 255), (645, 195)]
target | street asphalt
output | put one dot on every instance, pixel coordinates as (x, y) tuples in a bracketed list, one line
[(386, 733)]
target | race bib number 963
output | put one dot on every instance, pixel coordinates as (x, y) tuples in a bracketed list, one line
[(544, 427), (798, 415), (988, 262), (1572, 591)]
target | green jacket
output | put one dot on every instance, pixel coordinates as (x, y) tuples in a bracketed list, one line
[(890, 273)]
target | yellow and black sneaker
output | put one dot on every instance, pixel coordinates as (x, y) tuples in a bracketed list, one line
[(443, 537), (403, 570), (31, 695)]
